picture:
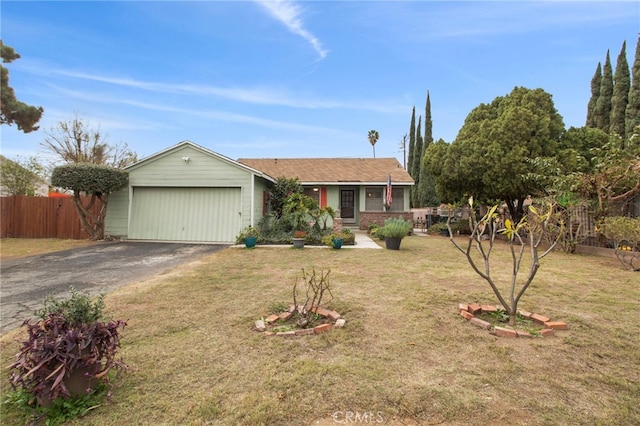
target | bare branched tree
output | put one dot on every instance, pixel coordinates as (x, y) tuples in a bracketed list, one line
[(316, 286), (75, 141), (529, 232)]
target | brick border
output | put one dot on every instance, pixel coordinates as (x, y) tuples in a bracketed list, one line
[(335, 317), (469, 312)]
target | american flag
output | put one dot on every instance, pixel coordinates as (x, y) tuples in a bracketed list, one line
[(388, 203)]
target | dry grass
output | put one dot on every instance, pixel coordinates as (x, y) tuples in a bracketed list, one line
[(405, 354), (12, 248)]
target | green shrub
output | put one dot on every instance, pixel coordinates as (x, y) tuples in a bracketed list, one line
[(247, 232), (396, 228)]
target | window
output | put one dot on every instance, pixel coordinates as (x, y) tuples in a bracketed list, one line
[(397, 199), (313, 193), (374, 199)]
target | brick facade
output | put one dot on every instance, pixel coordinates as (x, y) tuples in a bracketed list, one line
[(379, 217)]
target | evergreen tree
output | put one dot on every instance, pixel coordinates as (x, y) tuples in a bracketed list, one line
[(620, 99), (596, 81), (632, 115), (426, 183), (12, 110), (428, 125), (602, 111), (415, 167), (412, 141)]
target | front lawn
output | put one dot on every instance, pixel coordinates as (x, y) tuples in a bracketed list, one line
[(405, 355)]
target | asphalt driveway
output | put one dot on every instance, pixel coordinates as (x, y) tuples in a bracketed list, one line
[(96, 269)]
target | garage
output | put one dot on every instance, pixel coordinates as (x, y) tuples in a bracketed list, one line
[(185, 214), (187, 193)]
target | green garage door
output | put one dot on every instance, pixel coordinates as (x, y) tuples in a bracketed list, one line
[(185, 214)]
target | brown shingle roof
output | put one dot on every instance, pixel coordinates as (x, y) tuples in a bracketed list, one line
[(332, 170)]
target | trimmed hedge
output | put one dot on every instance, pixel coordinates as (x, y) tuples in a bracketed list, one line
[(90, 178)]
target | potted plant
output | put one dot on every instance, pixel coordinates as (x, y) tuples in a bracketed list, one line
[(249, 236), (299, 238), (438, 228), (334, 240), (70, 349), (394, 230)]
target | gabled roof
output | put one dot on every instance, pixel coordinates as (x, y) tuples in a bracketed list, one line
[(333, 171), (206, 151)]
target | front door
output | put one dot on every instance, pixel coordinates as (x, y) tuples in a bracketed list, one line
[(347, 205)]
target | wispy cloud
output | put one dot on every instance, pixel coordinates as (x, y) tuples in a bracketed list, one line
[(290, 14), (256, 96)]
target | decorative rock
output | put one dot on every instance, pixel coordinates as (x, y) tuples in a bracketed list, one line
[(556, 325), (463, 307), (286, 333), (340, 323), (540, 319), (474, 307), (466, 314), (480, 323), (319, 329), (269, 333), (305, 332), (524, 334), (505, 332), (524, 314), (489, 308), (259, 324), (285, 316), (547, 332), (321, 311), (271, 318), (333, 315)]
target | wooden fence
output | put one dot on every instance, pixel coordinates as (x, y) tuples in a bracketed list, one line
[(39, 217)]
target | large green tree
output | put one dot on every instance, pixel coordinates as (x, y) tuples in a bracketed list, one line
[(620, 98), (596, 81), (602, 112), (21, 177), (491, 155), (412, 141), (13, 111), (632, 114)]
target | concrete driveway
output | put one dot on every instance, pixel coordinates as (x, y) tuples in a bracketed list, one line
[(100, 268)]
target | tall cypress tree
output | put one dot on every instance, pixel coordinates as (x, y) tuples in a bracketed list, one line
[(415, 167), (428, 125), (425, 183), (412, 141), (632, 115), (596, 81), (620, 98), (603, 105)]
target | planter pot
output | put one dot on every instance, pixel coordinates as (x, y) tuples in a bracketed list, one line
[(77, 383), (298, 242), (250, 242), (392, 243), (337, 243)]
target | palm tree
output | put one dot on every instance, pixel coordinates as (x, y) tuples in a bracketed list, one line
[(373, 138)]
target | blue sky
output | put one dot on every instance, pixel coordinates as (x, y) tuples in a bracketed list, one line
[(297, 78)]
